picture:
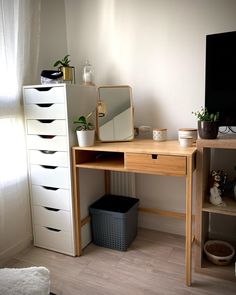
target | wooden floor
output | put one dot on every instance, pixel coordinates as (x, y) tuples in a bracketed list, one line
[(154, 264)]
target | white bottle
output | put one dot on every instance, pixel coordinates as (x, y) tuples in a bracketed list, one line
[(88, 74)]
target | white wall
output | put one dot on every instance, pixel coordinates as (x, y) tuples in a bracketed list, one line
[(155, 46)]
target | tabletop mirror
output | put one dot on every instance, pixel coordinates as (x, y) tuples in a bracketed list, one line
[(115, 113)]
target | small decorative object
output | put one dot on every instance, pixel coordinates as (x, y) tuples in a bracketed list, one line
[(159, 134), (88, 74), (207, 123), (216, 183), (219, 252), (51, 77), (85, 131), (185, 141), (189, 132), (67, 70)]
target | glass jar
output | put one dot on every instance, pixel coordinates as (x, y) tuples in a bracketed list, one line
[(88, 74)]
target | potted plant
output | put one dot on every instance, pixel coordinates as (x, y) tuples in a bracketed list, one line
[(64, 66), (207, 123), (85, 131)]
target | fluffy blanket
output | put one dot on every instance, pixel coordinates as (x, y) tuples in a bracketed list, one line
[(24, 281)]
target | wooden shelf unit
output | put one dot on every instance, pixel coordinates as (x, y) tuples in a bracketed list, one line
[(204, 208)]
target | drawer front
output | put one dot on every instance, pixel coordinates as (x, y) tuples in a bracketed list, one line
[(44, 95), (153, 163), (46, 127), (50, 176), (61, 241), (46, 157), (45, 111), (51, 197), (51, 217), (51, 143)]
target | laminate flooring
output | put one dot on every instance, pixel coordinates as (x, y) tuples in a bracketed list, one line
[(153, 264)]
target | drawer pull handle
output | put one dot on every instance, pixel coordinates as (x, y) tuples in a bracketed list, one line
[(44, 105), (48, 152), (51, 188), (46, 121), (154, 156), (53, 229), (43, 89), (51, 209), (47, 136), (48, 167)]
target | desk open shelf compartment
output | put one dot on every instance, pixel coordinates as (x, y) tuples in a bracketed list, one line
[(100, 160)]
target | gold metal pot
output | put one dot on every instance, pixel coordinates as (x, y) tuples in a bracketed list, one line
[(68, 73)]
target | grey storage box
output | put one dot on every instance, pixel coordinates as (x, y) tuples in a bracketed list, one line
[(114, 221)]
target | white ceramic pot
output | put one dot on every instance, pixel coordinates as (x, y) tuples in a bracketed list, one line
[(85, 137), (185, 141), (189, 132)]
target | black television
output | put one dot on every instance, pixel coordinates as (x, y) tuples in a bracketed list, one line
[(220, 78)]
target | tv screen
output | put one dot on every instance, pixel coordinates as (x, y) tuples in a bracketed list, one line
[(220, 83)]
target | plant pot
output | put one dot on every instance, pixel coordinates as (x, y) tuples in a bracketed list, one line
[(208, 129), (85, 137), (67, 73)]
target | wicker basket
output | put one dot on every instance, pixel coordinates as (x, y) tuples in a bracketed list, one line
[(219, 252)]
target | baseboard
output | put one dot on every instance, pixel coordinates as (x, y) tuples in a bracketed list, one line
[(15, 249)]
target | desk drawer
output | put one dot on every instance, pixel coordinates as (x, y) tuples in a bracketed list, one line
[(50, 176), (51, 158), (51, 197), (45, 111), (153, 163), (44, 95), (52, 217), (46, 127), (57, 240), (51, 143)]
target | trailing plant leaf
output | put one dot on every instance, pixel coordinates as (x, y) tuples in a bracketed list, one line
[(83, 123)]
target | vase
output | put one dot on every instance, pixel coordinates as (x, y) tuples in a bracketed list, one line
[(85, 137), (208, 129)]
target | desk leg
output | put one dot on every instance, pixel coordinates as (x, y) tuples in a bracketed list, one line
[(188, 243), (107, 181), (76, 201)]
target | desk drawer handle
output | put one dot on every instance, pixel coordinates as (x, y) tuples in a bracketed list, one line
[(51, 209), (43, 89), (48, 167), (47, 152), (44, 105), (51, 188), (47, 136), (154, 156), (46, 121), (53, 229)]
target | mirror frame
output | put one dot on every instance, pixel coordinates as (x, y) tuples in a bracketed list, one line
[(132, 112)]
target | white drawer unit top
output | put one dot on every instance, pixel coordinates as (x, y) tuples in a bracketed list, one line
[(46, 157), (50, 176), (51, 197), (45, 142), (57, 240), (45, 111), (46, 127), (44, 94), (51, 217)]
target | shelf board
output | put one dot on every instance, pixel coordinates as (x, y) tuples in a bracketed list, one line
[(230, 208), (226, 272), (115, 164)]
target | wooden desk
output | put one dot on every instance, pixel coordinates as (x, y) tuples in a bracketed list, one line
[(139, 156)]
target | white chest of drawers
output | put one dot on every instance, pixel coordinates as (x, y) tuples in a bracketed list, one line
[(49, 114)]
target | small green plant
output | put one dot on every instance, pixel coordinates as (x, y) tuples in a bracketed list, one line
[(83, 123), (64, 62), (204, 115)]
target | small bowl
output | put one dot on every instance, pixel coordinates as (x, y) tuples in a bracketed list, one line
[(219, 252)]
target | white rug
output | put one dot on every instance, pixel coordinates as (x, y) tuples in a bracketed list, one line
[(24, 281)]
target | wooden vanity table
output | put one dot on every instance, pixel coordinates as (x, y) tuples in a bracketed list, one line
[(139, 156)]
